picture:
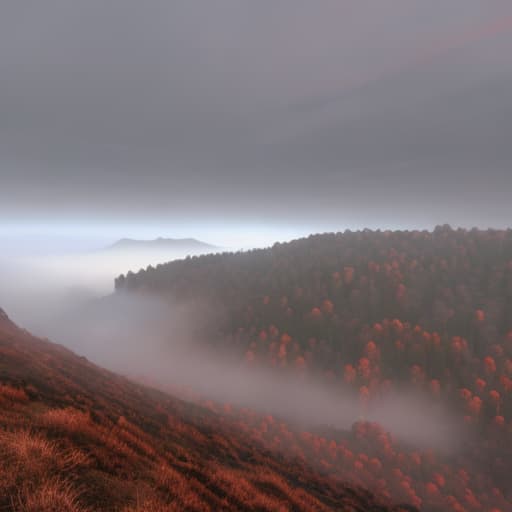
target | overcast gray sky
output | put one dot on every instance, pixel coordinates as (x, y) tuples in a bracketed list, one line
[(319, 114)]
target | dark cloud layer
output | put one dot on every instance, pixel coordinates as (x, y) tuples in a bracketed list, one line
[(391, 112)]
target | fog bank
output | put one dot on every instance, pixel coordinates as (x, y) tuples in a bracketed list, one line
[(66, 296), (41, 283), (163, 342)]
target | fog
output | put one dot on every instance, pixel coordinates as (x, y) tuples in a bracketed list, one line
[(44, 280), (162, 342), (66, 296)]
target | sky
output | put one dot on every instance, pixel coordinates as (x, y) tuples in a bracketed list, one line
[(268, 119)]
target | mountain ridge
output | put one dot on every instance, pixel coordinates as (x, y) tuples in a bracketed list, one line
[(161, 243)]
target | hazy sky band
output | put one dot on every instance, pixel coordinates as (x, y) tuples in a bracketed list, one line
[(325, 115)]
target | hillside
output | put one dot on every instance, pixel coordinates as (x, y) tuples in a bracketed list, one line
[(171, 244), (429, 311), (75, 437)]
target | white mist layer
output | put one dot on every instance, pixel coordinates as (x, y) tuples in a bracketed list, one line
[(157, 340), (38, 288), (57, 296)]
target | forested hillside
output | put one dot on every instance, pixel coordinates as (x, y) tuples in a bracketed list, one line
[(375, 311)]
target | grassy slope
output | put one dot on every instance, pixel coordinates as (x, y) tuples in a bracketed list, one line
[(77, 437)]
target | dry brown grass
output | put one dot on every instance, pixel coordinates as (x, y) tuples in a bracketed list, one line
[(31, 462), (25, 456), (147, 506), (67, 419), (53, 495), (239, 486), (25, 446), (12, 394)]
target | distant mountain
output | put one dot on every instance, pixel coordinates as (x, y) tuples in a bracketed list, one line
[(180, 244), (77, 438)]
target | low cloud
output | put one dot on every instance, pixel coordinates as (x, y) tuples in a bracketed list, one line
[(167, 344)]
